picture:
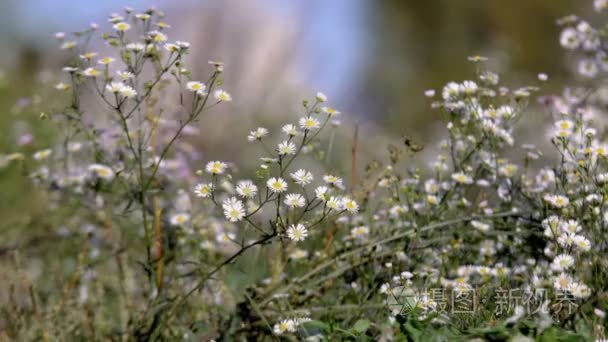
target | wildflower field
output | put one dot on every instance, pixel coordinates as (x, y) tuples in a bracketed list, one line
[(118, 227)]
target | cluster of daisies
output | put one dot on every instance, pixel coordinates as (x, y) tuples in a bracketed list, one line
[(134, 54), (471, 176), (240, 202), (578, 35)]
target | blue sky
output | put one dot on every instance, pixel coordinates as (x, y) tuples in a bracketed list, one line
[(334, 35)]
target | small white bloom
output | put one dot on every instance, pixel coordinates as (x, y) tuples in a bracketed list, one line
[(115, 87), (101, 171), (286, 147), (587, 67), (246, 189), (335, 203), (330, 111), (222, 96), (125, 75), (135, 47), (321, 97), (128, 92), (195, 86), (569, 38), (350, 205), (203, 190), (297, 232), (62, 86), (321, 193), (333, 180), (462, 178), (233, 209), (179, 219), (121, 27), (562, 262), (360, 232), (295, 200), (290, 130), (302, 177), (90, 72), (284, 326), (258, 134), (43, 154), (68, 45), (106, 61), (277, 185), (579, 290), (309, 123), (216, 167), (562, 281)]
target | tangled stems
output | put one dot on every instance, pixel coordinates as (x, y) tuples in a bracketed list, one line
[(344, 255)]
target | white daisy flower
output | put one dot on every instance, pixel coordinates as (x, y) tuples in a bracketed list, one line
[(335, 203), (115, 87), (106, 61), (350, 205), (558, 201), (135, 47), (277, 185), (322, 193), (333, 180), (284, 326), (570, 226), (128, 92), (302, 177), (330, 111), (321, 97), (125, 75), (295, 201), (158, 37), (203, 190), (290, 130), (297, 232), (286, 147), (121, 27), (216, 167), (360, 232), (62, 86), (68, 45), (43, 154), (581, 243), (246, 189), (308, 123), (101, 171), (142, 16), (222, 96), (579, 290), (562, 262), (258, 134), (195, 86), (179, 219), (233, 209), (225, 237), (569, 38), (90, 72), (462, 178)]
